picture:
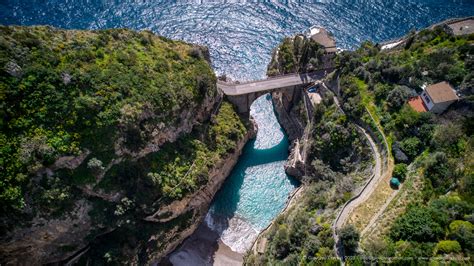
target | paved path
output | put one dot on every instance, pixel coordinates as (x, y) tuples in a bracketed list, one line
[(363, 195), (367, 189), (271, 83)]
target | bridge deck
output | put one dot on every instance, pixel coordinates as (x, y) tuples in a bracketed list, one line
[(271, 83)]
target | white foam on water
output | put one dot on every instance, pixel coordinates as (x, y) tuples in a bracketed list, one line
[(269, 131), (235, 232), (390, 45)]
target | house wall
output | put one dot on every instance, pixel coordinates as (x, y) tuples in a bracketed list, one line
[(427, 100), (438, 108)]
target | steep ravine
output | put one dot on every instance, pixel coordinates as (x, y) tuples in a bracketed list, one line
[(199, 201)]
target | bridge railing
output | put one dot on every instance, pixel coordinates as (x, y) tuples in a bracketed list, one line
[(276, 77)]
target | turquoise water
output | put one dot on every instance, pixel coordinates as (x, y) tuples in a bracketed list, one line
[(257, 189)]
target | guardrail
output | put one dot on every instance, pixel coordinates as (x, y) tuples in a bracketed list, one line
[(275, 77)]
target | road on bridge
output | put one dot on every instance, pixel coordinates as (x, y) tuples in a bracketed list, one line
[(271, 83)]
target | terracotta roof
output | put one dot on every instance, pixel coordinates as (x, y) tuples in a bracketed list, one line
[(441, 92), (417, 104), (325, 39)]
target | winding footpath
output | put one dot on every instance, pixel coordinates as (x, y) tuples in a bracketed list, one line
[(362, 196), (364, 193)]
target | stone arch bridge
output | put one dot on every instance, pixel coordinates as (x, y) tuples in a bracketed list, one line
[(243, 94)]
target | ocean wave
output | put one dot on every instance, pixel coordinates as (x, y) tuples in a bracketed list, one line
[(235, 232)]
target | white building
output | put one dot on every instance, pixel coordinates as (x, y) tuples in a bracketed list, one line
[(438, 97)]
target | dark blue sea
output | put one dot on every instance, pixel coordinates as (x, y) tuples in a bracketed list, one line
[(241, 36)]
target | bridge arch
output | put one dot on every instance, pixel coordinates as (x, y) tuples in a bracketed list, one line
[(242, 95)]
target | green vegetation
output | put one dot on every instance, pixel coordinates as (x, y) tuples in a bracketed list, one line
[(65, 92), (296, 55), (177, 170), (181, 167), (349, 239), (88, 117), (437, 146), (400, 171), (375, 88)]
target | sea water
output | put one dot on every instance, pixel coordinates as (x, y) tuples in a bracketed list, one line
[(258, 188), (241, 37)]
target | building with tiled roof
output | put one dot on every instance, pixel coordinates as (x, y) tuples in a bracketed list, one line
[(438, 97), (417, 104)]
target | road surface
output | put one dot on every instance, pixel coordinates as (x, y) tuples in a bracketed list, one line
[(271, 83)]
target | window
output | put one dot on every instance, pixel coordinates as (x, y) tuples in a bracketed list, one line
[(427, 99)]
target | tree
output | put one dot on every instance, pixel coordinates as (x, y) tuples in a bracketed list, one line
[(400, 171), (95, 165), (350, 239), (281, 242), (397, 97), (447, 247), (416, 224), (447, 136), (438, 171), (463, 232), (411, 147)]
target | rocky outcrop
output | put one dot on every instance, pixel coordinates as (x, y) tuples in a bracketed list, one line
[(48, 240), (295, 165), (294, 125), (284, 102)]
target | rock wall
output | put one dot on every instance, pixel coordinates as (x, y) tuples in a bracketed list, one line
[(285, 102), (48, 239)]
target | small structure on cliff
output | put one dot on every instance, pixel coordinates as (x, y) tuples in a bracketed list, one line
[(323, 37), (462, 27)]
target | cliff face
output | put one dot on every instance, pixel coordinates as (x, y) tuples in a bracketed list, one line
[(49, 239), (113, 144), (288, 107), (200, 201)]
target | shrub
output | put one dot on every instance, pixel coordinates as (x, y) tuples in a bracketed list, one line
[(281, 242), (463, 232), (400, 171), (397, 97), (447, 136), (438, 171), (95, 164), (447, 247), (411, 147), (416, 224), (412, 250), (349, 239)]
